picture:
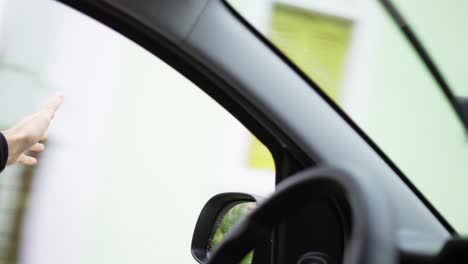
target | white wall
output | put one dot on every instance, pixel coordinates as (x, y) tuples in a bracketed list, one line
[(172, 149), (62, 57), (135, 151)]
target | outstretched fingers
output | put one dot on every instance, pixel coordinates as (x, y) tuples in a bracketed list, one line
[(44, 137), (38, 147), (53, 105), (27, 160)]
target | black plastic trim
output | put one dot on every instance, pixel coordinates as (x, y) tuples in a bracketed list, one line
[(210, 216), (463, 103)]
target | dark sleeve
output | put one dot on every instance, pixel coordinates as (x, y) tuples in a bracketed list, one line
[(3, 152)]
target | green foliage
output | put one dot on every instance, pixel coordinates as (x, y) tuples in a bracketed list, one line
[(233, 216)]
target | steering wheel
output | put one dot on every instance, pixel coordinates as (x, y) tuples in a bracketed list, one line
[(372, 234)]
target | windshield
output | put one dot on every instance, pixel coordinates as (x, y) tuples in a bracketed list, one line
[(358, 56)]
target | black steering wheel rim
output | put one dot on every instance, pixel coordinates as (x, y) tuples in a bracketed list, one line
[(372, 236)]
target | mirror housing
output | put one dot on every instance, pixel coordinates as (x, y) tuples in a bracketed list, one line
[(210, 218)]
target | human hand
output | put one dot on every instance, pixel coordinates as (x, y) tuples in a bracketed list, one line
[(27, 134)]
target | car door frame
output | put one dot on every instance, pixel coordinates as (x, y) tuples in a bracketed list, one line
[(234, 64)]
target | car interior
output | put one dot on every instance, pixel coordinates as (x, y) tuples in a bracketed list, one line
[(325, 181)]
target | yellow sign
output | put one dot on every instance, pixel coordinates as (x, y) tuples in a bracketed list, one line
[(260, 157), (318, 45)]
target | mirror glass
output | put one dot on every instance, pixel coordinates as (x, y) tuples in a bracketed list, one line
[(227, 222)]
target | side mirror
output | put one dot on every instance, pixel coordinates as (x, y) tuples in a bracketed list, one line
[(217, 217)]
